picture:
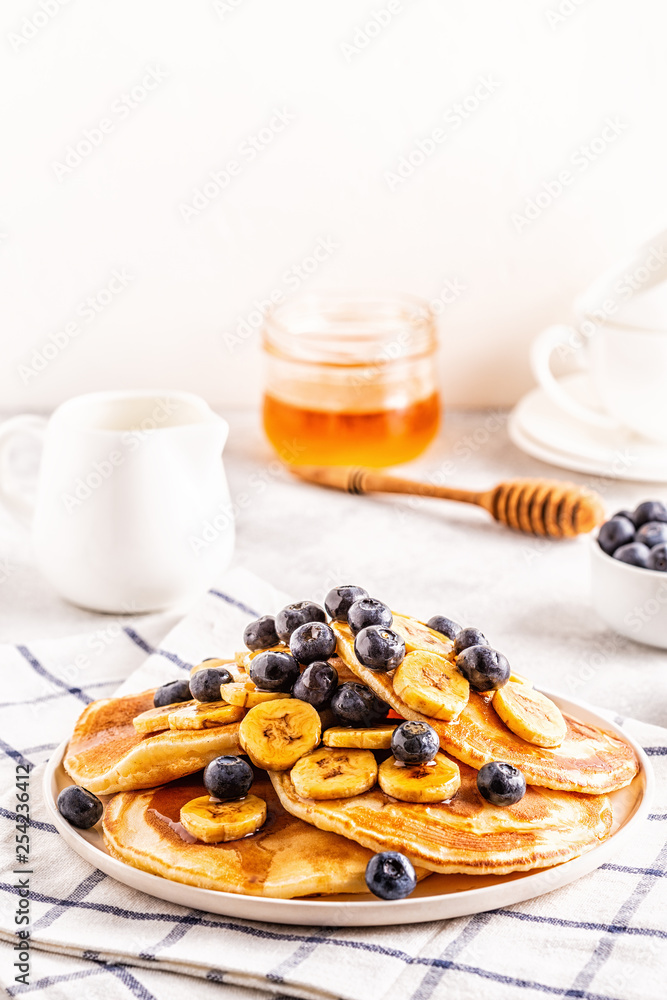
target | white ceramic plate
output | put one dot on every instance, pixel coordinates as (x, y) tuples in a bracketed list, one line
[(438, 897), (538, 427)]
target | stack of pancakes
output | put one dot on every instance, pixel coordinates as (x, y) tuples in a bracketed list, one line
[(309, 846)]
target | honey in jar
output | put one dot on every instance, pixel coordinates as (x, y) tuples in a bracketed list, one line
[(350, 381)]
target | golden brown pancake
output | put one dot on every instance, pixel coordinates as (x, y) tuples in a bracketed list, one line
[(466, 834), (588, 760), (106, 754), (285, 858)]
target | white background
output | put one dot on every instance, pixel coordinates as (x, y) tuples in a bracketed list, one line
[(359, 104)]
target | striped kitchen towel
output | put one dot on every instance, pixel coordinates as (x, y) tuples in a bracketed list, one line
[(601, 938)]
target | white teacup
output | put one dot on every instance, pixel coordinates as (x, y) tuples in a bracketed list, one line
[(132, 512), (620, 338)]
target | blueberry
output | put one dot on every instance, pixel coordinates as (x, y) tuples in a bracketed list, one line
[(316, 684), (228, 778), (444, 625), (297, 614), (339, 600), (415, 742), (261, 634), (501, 784), (172, 692), (313, 641), (379, 648), (652, 533), (274, 671), (205, 684), (657, 558), (635, 553), (368, 611), (80, 807), (484, 668), (469, 637), (624, 513), (649, 510), (356, 705), (390, 875), (612, 534)]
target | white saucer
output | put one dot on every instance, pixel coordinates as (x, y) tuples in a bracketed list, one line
[(541, 429), (436, 898)]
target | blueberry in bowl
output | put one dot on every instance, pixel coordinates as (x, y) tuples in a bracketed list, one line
[(629, 573)]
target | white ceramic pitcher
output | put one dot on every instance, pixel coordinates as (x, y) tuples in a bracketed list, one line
[(132, 512)]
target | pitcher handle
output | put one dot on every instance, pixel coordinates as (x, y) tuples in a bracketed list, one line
[(12, 496), (541, 350)]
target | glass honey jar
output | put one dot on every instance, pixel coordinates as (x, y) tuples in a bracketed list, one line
[(350, 380)]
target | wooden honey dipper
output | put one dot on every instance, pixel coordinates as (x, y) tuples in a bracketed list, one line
[(537, 506)]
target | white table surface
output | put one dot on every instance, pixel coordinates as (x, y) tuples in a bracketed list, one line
[(529, 596)]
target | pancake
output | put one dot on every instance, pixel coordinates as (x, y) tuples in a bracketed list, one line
[(286, 858), (466, 834), (106, 754), (588, 760)]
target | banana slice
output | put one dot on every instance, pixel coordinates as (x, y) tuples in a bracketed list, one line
[(276, 733), (204, 715), (530, 714), (334, 774), (373, 738), (213, 662), (157, 719), (420, 782), (246, 695), (245, 657), (432, 685), (420, 636), (520, 679), (218, 822)]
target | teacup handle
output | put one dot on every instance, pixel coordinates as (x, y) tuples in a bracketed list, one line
[(541, 350), (12, 496)]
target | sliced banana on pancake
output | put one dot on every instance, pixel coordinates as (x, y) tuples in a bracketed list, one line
[(204, 715), (430, 684), (244, 657), (334, 773), (520, 679), (437, 781), (213, 661), (373, 738), (155, 719), (277, 733), (420, 636), (219, 822), (246, 695), (530, 714)]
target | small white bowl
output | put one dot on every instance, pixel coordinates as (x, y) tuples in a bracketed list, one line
[(632, 600)]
